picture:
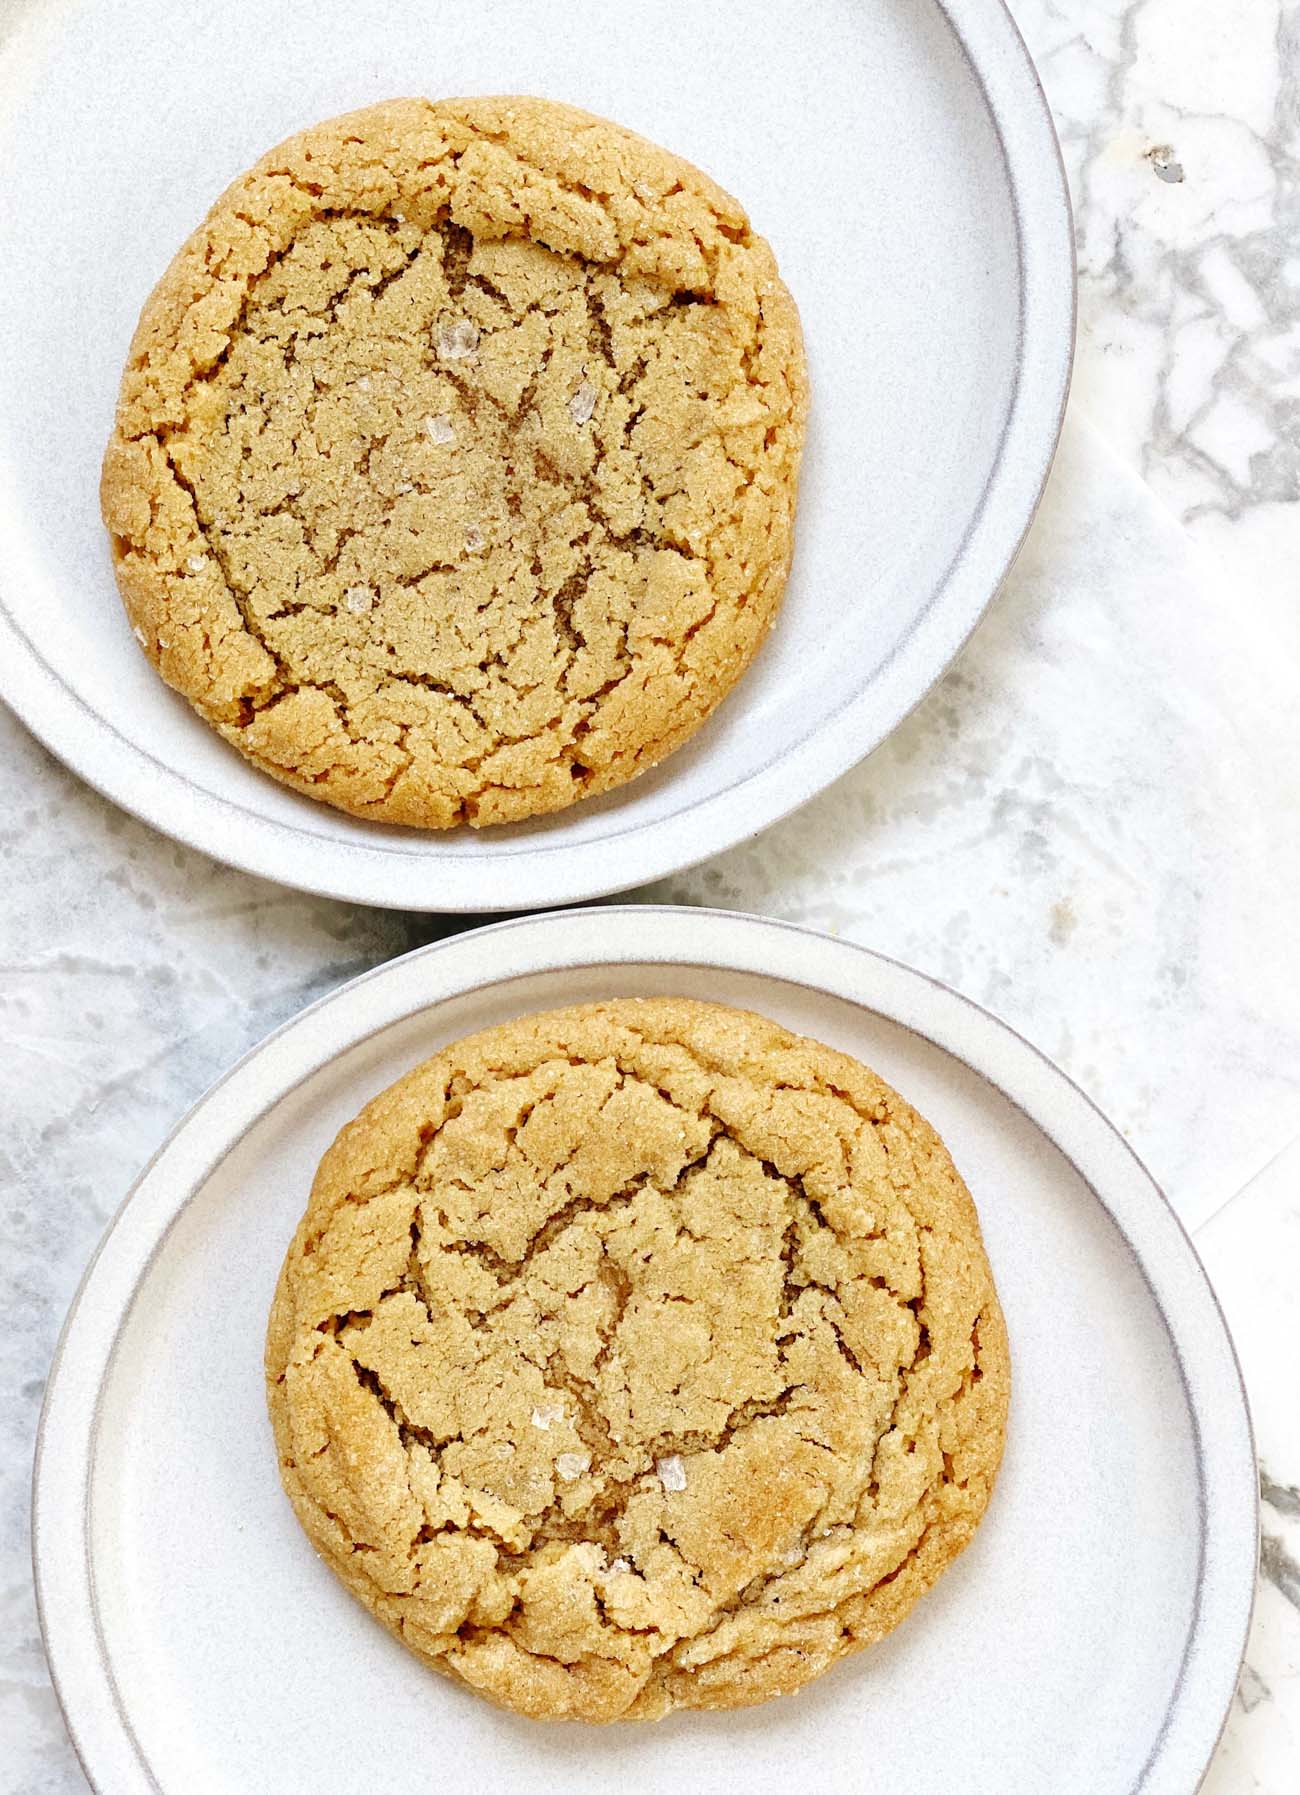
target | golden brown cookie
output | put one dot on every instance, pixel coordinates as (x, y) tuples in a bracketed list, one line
[(638, 1356), (453, 475)]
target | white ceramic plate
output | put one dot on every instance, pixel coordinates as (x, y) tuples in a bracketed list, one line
[(1087, 1643), (898, 153)]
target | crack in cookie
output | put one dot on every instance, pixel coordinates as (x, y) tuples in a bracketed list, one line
[(638, 1356), (454, 468)]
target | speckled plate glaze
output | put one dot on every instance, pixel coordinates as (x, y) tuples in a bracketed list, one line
[(899, 155), (1087, 1643)]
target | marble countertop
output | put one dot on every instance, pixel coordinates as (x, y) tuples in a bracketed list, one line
[(1116, 875), (1180, 125)]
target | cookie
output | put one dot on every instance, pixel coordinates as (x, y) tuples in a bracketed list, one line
[(635, 1357), (454, 468)]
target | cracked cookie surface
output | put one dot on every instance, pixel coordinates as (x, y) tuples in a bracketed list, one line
[(637, 1356), (454, 467)]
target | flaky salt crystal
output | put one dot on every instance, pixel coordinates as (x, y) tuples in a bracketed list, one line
[(440, 429), (571, 1465), (358, 599), (671, 1472), (473, 539), (457, 341), (546, 1413), (583, 403), (197, 563)]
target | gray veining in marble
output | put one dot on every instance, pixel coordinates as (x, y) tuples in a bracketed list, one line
[(1189, 291)]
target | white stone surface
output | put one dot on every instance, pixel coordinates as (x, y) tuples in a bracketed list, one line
[(1252, 1252), (1189, 362), (1090, 826)]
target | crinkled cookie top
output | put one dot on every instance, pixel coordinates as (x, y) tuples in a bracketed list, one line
[(638, 1356), (454, 469)]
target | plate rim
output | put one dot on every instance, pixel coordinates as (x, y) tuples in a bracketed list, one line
[(434, 874), (649, 934)]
